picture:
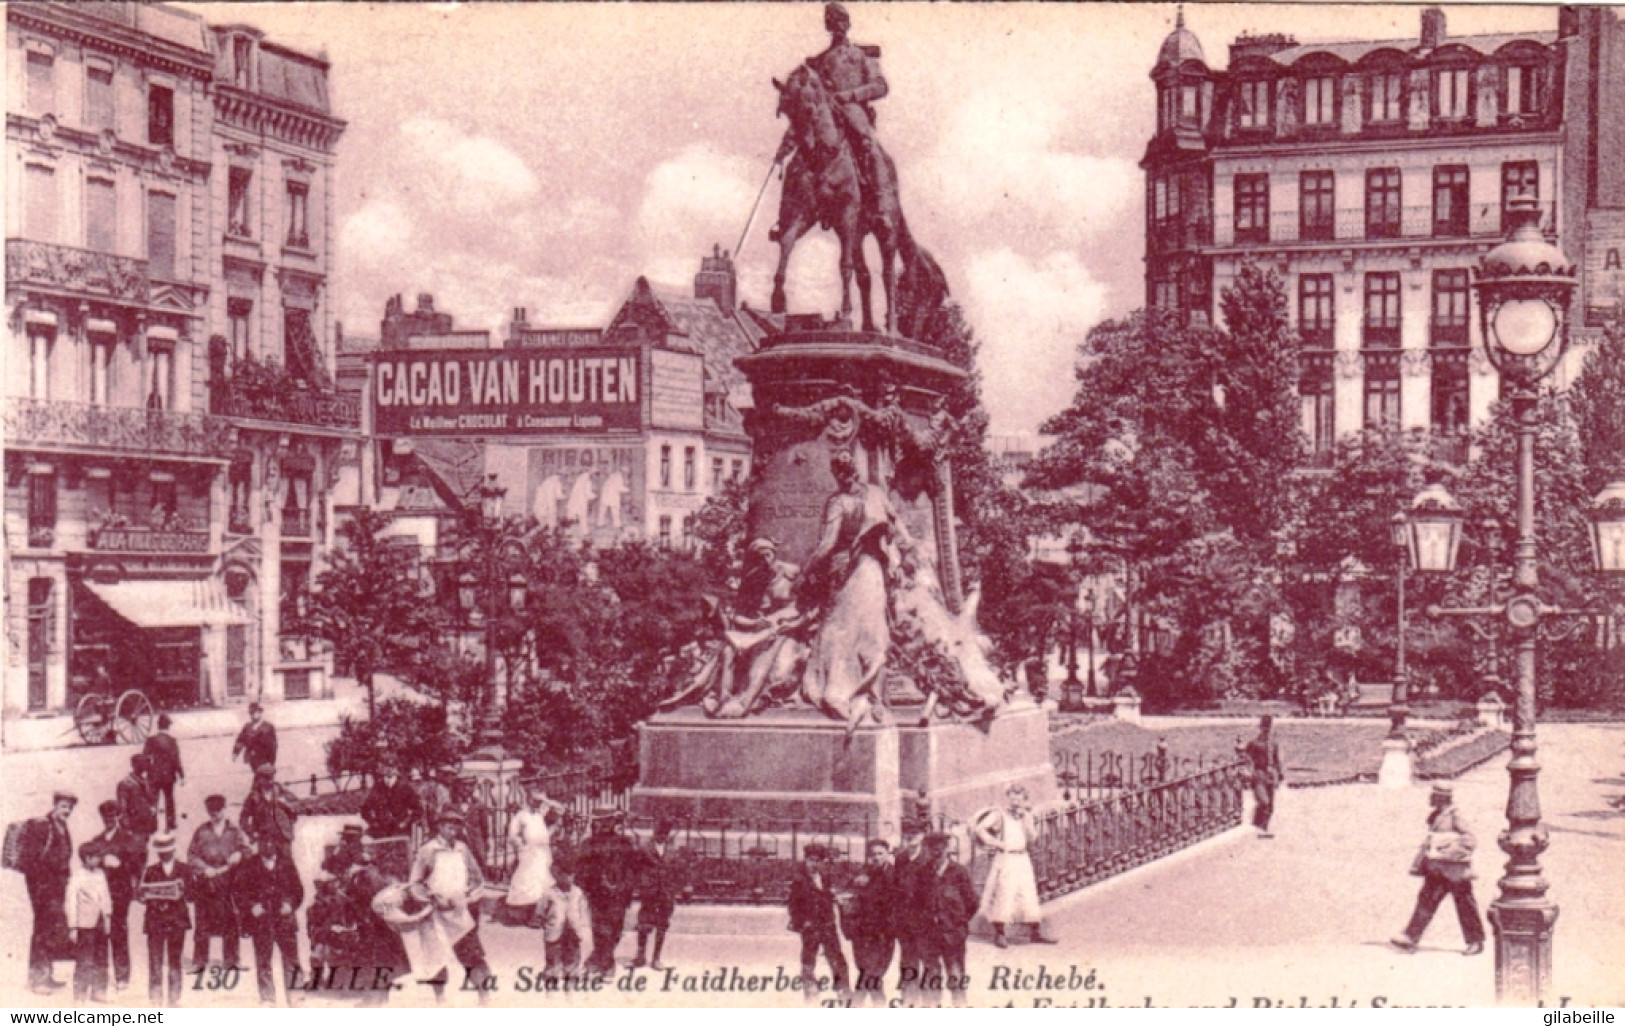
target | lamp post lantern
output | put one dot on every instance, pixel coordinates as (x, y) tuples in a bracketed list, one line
[(1608, 529), (490, 594), (1395, 769), (1071, 688)]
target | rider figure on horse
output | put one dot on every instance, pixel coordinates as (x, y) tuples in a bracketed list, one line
[(851, 74)]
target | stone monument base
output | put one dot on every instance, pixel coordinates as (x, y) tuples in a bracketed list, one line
[(1395, 770), (965, 767)]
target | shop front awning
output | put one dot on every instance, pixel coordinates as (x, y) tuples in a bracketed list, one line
[(171, 603)]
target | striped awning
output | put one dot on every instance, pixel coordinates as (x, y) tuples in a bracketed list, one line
[(196, 603)]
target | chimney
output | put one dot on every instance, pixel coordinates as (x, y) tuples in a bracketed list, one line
[(425, 302), (716, 280), (1248, 45), (1432, 28), (519, 315)]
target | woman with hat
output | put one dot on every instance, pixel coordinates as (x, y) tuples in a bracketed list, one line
[(1010, 894), (531, 840)]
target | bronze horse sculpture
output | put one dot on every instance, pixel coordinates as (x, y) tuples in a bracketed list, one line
[(823, 188)]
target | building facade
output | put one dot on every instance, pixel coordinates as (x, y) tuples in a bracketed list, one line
[(141, 506), (1372, 176)]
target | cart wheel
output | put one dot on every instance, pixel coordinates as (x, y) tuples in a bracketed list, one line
[(132, 717), (90, 718)]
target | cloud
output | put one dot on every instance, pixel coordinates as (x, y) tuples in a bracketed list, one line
[(1030, 316), (376, 231), (473, 172), (699, 197)]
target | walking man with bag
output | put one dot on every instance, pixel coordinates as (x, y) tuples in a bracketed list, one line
[(1445, 865)]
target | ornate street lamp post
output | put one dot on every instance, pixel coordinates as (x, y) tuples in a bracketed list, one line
[(493, 589), (1395, 770), (1071, 688)]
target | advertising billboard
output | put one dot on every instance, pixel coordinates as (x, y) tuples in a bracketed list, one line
[(506, 392)]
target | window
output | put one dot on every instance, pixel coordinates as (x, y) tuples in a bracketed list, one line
[(241, 51), (689, 468), (165, 500), (1523, 90), (1382, 308), (738, 470), (716, 473), (1449, 396), (237, 202), (1318, 410), (40, 339), (39, 194), (1317, 214), (665, 466), (1450, 200), (239, 313), (1449, 308), (160, 115), (1253, 106), (159, 396), (99, 97), (40, 605), (1320, 101), (1387, 97), (665, 532), (688, 532), (1382, 203), (298, 215), (1452, 92), (161, 235), (236, 660), (1381, 401), (101, 215), (41, 509), (1189, 103), (1164, 295), (1315, 309), (299, 353), (296, 521), (239, 517), (41, 82), (1252, 208), (101, 359), (1518, 178)]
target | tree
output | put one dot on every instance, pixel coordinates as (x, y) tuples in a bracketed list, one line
[(1597, 398), (369, 604)]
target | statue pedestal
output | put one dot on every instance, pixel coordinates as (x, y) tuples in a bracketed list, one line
[(963, 768), (1396, 763)]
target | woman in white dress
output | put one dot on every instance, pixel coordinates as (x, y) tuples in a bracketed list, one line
[(532, 842), (1010, 894)]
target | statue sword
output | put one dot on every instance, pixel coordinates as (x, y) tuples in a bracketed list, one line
[(754, 207)]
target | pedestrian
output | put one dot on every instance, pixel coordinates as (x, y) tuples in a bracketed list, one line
[(347, 853), (948, 904), (1445, 864), (123, 857), (378, 943), (392, 806), (813, 914), (908, 920), (1264, 758), (566, 921), (268, 813), (165, 886), (137, 808), (870, 921), (657, 897), (46, 862), (532, 842), (450, 876), (271, 892), (1010, 894), (333, 929), (608, 872), (256, 742), (217, 849), (89, 911), (164, 768)]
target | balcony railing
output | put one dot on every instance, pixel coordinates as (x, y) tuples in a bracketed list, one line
[(77, 270), (165, 432), (292, 406), (1351, 224)]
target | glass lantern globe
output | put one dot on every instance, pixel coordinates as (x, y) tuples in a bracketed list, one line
[(516, 593), (1608, 529), (1524, 286), (1524, 327), (1435, 530), (466, 586)]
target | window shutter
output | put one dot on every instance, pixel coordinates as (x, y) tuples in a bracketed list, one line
[(40, 193), (101, 216), (161, 235)]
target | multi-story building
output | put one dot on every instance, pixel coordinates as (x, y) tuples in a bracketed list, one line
[(1371, 176), (141, 509)]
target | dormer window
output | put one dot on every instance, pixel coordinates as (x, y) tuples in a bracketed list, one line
[(1190, 103), (1452, 92), (1387, 97), (242, 49), (1522, 90), (1320, 101), (1253, 105)]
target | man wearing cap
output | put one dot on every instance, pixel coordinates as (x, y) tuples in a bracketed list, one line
[(392, 806), (449, 872), (46, 861), (270, 893), (1445, 864), (870, 921), (268, 813), (907, 918), (217, 849), (657, 896), (347, 852), (123, 857), (813, 915), (948, 904), (608, 873), (136, 806), (164, 889), (256, 742), (164, 769), (1264, 757)]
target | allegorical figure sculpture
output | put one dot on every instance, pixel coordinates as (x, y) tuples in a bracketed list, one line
[(839, 177), (761, 648)]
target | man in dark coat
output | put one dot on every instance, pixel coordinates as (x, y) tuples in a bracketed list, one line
[(1264, 757), (137, 806), (268, 813), (392, 806), (907, 920), (813, 915), (269, 891), (378, 943), (657, 897), (948, 903), (256, 742), (607, 872), (123, 857), (165, 887), (164, 768), (217, 849), (46, 860), (1445, 865), (870, 921)]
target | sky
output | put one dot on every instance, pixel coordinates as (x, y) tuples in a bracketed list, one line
[(545, 156)]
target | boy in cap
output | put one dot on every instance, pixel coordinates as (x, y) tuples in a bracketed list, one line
[(813, 915), (123, 857), (46, 862), (256, 742), (164, 890), (657, 897), (217, 849), (89, 910), (268, 814), (1445, 865)]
